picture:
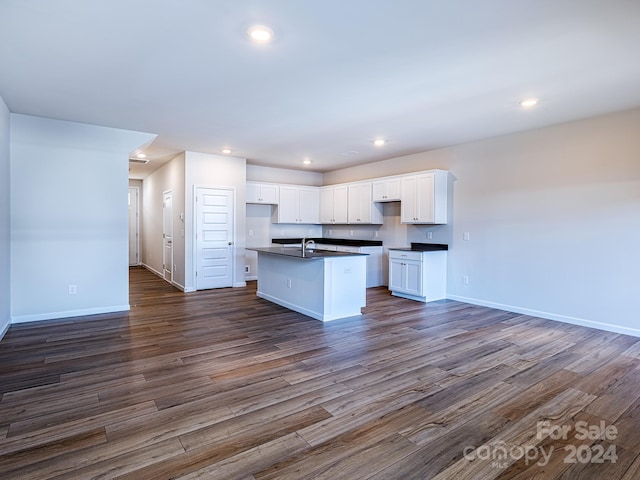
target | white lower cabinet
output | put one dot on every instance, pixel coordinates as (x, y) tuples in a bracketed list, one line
[(417, 275)]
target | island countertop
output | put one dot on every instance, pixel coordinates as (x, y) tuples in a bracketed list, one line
[(309, 254)]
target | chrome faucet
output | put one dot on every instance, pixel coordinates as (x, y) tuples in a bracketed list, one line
[(305, 243)]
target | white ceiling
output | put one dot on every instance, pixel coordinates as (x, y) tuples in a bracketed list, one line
[(423, 74)]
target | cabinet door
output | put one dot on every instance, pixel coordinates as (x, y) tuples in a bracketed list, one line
[(289, 204), (386, 190), (379, 191), (340, 201), (396, 274), (269, 194), (424, 198), (393, 189), (309, 205), (413, 277), (252, 193), (359, 195), (326, 205), (408, 206)]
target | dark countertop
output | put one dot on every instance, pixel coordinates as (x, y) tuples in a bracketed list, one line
[(424, 247), (331, 241), (310, 254)]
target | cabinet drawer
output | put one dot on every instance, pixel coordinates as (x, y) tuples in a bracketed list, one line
[(405, 255)]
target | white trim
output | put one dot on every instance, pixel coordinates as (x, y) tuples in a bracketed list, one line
[(608, 327), (69, 313), (166, 193), (5, 330), (138, 251), (152, 270), (175, 284), (239, 284)]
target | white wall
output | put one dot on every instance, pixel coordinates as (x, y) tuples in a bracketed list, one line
[(169, 177), (217, 171), (5, 220), (553, 216), (68, 217)]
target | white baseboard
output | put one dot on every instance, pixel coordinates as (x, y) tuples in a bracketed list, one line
[(608, 327), (69, 313), (152, 270), (5, 330)]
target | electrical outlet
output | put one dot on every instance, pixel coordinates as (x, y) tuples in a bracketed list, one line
[(73, 289), (247, 269), (250, 233), (465, 279), (351, 233), (375, 234), (466, 236), (330, 232), (429, 235)]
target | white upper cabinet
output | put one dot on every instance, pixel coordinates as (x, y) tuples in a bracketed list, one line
[(424, 198), (361, 208), (267, 193), (333, 204), (386, 189), (298, 204)]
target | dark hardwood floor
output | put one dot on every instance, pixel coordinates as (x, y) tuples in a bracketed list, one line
[(221, 385)]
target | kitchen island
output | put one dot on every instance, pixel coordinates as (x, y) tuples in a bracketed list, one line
[(325, 285)]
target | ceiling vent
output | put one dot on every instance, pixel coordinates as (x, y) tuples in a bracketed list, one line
[(139, 160)]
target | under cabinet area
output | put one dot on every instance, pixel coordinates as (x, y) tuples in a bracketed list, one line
[(418, 275)]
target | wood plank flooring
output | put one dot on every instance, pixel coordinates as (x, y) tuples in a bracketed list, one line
[(223, 385)]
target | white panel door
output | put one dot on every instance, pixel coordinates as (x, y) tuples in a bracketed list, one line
[(167, 236), (214, 238), (134, 227)]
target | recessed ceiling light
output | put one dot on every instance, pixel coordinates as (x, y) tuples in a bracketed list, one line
[(306, 161), (141, 155), (529, 102), (226, 151), (260, 34), (379, 142)]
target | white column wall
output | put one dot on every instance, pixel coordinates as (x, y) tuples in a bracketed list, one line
[(68, 217)]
